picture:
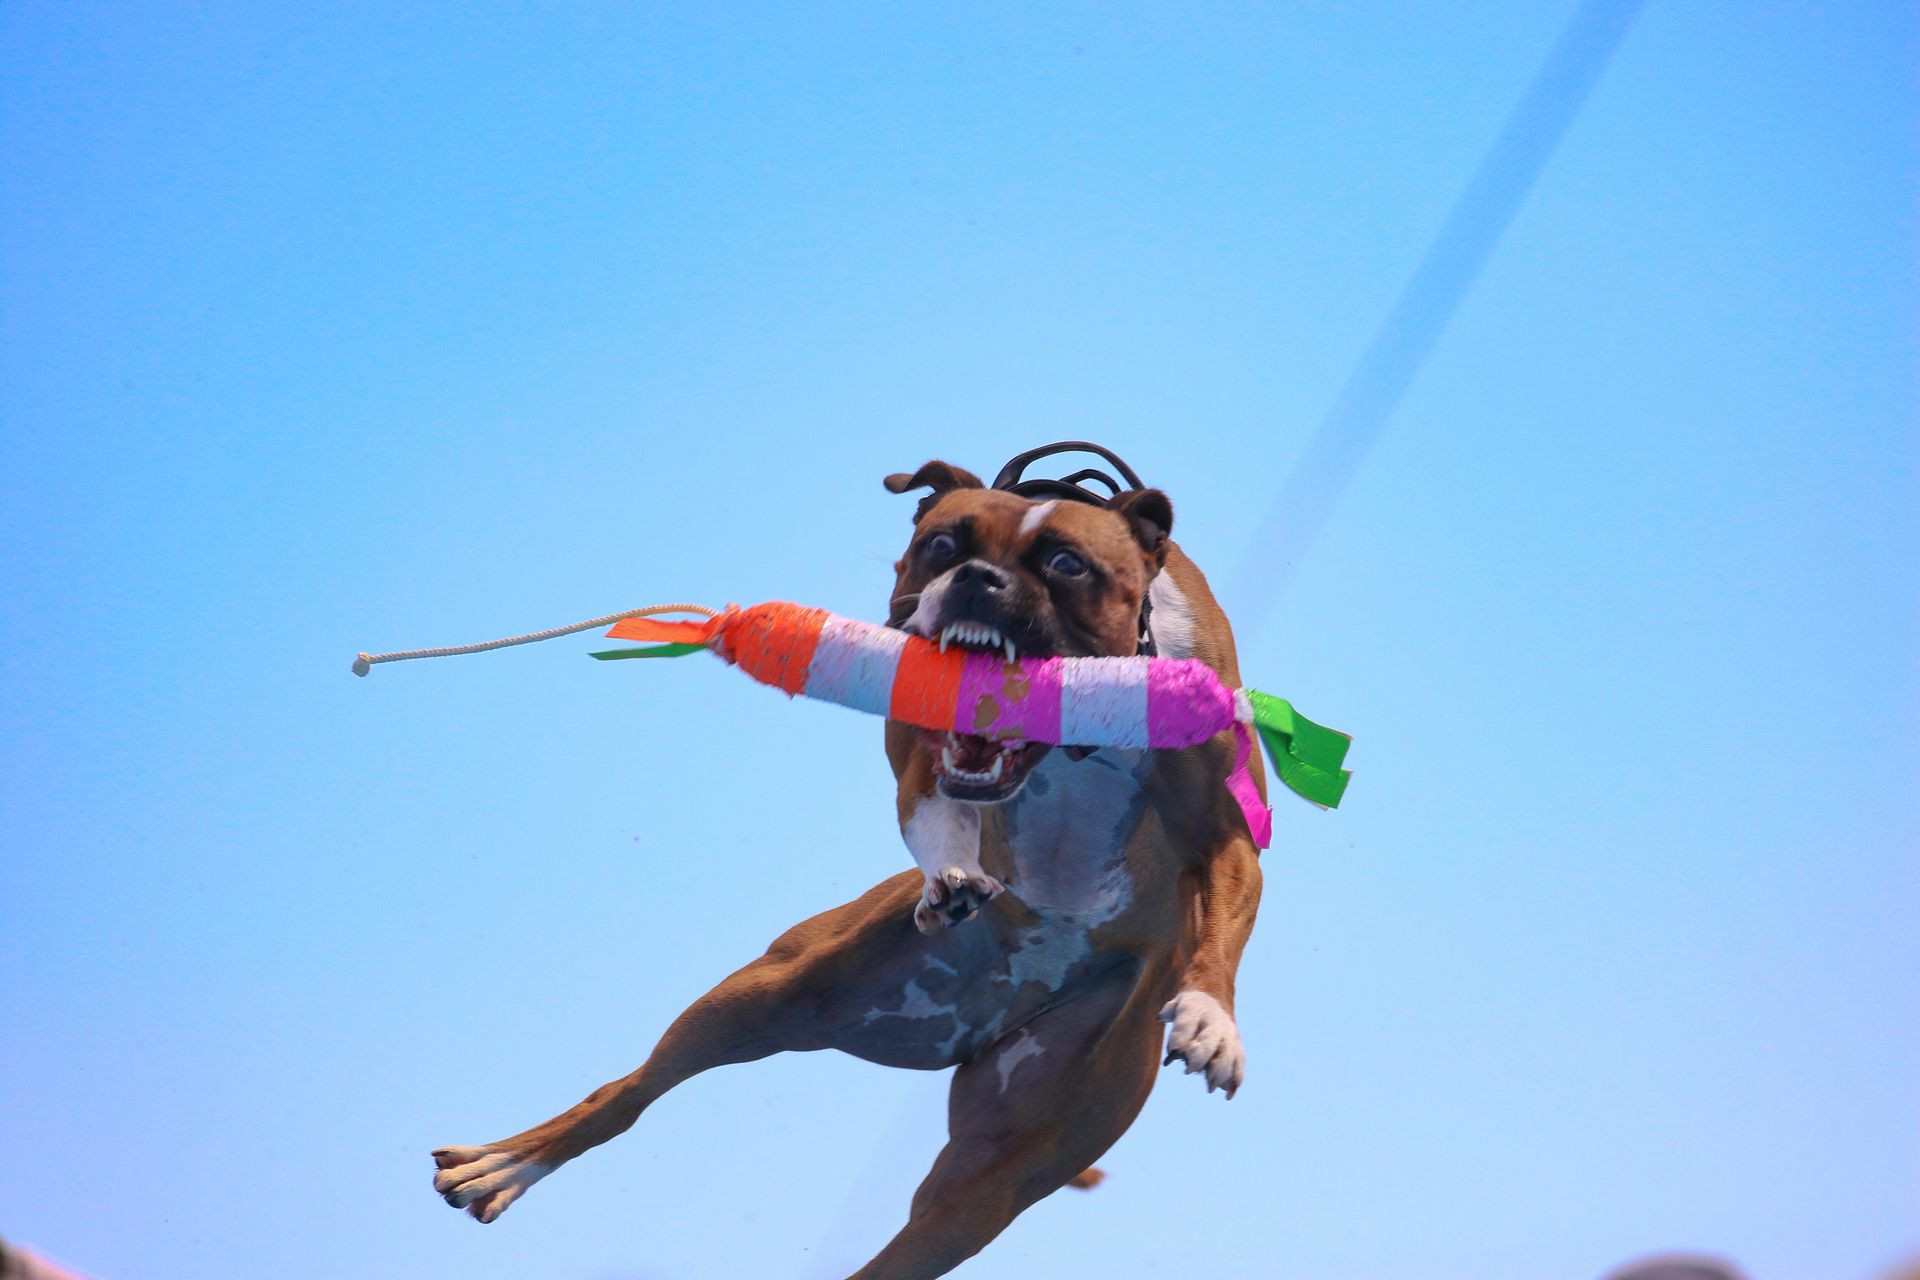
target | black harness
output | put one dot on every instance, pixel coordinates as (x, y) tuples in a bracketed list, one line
[(1073, 489)]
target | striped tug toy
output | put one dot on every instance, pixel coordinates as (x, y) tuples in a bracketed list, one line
[(1088, 702)]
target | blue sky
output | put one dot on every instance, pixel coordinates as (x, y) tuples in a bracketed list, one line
[(326, 328)]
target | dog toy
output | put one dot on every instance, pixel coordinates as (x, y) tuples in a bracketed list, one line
[(1087, 702)]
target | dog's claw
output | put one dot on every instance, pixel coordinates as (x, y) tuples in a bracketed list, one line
[(1202, 1034), (953, 897)]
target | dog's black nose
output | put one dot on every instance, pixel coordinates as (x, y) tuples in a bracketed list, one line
[(981, 576)]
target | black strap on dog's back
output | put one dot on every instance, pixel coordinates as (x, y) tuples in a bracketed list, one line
[(1073, 489)]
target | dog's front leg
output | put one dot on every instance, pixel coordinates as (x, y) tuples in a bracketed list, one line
[(944, 837), (1222, 897)]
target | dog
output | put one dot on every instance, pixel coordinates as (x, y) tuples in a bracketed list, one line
[(1067, 904)]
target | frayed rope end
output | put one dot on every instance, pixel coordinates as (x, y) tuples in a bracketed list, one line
[(365, 662)]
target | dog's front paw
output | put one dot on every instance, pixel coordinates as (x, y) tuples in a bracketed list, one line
[(953, 897), (484, 1180), (1202, 1034)]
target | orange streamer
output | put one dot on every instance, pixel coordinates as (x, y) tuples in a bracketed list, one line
[(657, 631)]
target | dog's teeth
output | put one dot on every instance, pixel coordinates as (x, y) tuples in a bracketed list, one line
[(977, 635), (999, 763)]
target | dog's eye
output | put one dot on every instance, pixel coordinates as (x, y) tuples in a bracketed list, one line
[(941, 546), (1066, 563)]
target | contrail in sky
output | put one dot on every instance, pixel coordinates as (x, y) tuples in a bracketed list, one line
[(1432, 294)]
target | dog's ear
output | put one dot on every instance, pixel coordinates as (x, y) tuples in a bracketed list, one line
[(1149, 515), (941, 477)]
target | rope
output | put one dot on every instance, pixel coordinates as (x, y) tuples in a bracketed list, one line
[(365, 662)]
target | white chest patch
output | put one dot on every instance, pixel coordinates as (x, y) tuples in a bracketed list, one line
[(943, 833), (1067, 831)]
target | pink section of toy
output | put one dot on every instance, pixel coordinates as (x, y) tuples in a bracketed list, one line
[(1009, 702), (1186, 702)]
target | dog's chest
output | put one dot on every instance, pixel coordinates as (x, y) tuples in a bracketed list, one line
[(1069, 829), (1067, 834)]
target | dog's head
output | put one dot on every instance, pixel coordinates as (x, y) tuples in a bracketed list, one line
[(990, 570)]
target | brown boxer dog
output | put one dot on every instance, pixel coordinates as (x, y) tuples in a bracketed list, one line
[(1067, 903)]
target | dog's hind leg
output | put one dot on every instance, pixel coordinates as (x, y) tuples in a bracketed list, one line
[(1025, 1117), (772, 1005)]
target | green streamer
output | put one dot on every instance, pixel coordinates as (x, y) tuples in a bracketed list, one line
[(1307, 755), (650, 651)]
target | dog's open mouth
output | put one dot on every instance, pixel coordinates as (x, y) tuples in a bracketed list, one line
[(969, 767)]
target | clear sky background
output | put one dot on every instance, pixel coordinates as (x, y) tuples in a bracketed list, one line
[(340, 327)]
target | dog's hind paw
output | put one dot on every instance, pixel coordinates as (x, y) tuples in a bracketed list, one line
[(1202, 1034), (953, 897), (484, 1180)]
